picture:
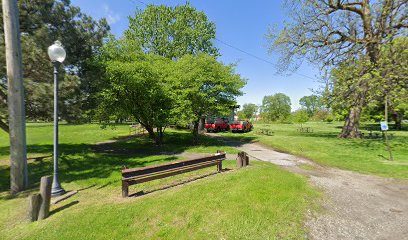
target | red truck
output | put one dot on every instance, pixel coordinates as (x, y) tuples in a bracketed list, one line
[(217, 125), (241, 126)]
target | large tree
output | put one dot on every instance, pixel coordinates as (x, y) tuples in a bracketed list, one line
[(206, 86), (388, 83), (172, 32), (328, 32), (41, 23), (311, 104), (275, 107)]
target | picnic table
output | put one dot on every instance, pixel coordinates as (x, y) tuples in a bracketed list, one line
[(265, 131), (305, 129)]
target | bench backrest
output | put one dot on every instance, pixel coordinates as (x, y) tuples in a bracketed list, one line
[(132, 172)]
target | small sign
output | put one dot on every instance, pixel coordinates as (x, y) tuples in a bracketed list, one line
[(384, 126)]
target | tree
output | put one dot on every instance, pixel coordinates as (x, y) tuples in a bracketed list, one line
[(205, 87), (43, 22), (138, 86), (328, 32), (275, 107), (388, 82), (311, 104), (172, 32), (248, 111), (300, 116)]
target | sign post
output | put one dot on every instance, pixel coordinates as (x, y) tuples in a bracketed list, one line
[(384, 129)]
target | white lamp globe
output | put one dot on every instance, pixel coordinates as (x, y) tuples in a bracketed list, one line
[(56, 52)]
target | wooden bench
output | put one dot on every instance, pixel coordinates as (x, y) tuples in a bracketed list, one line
[(139, 175)]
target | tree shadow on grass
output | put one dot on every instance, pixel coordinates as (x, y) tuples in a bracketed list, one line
[(83, 162)]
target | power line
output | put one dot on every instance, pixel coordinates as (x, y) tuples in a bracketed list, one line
[(134, 1), (259, 58)]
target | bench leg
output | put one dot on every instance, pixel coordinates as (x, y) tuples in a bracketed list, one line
[(219, 166), (125, 189)]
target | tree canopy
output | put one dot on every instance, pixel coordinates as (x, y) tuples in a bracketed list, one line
[(207, 87), (41, 23), (248, 111), (275, 107), (311, 104), (172, 32)]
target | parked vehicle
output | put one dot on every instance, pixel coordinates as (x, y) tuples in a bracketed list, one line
[(217, 125), (241, 126)]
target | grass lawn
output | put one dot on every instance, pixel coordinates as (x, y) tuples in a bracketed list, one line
[(258, 202), (323, 146)]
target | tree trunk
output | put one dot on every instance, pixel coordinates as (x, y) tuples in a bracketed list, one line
[(159, 138), (397, 117), (151, 132), (352, 122), (195, 132)]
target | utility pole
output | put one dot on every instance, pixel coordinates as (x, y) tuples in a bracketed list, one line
[(15, 98)]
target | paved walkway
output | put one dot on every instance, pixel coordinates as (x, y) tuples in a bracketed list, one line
[(355, 206)]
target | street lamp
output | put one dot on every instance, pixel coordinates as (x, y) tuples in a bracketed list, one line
[(57, 55)]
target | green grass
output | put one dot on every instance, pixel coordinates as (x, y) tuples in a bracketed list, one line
[(258, 202), (323, 146), (81, 137)]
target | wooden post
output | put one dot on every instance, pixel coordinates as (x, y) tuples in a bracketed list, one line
[(242, 160), (15, 97), (219, 166), (34, 202), (45, 192), (125, 189), (239, 160)]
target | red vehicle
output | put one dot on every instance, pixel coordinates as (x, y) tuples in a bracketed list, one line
[(217, 125), (241, 126)]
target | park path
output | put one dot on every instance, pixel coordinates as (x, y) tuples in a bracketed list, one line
[(355, 206)]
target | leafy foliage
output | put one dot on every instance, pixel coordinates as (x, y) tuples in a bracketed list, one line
[(388, 81), (172, 32), (300, 116), (41, 23), (311, 104), (248, 111), (206, 86), (330, 33), (275, 107)]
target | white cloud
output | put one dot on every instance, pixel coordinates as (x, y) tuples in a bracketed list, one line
[(111, 16)]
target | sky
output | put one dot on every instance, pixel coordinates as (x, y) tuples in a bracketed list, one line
[(241, 24)]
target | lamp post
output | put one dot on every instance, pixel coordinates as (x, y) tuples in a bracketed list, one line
[(57, 55)]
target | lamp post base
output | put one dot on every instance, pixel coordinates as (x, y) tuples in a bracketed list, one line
[(55, 192)]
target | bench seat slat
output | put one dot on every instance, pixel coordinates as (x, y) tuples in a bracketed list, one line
[(166, 166), (145, 174), (174, 170)]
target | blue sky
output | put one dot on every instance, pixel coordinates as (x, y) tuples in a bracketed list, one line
[(242, 24)]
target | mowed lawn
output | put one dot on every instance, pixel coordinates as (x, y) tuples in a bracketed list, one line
[(258, 202), (367, 155)]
